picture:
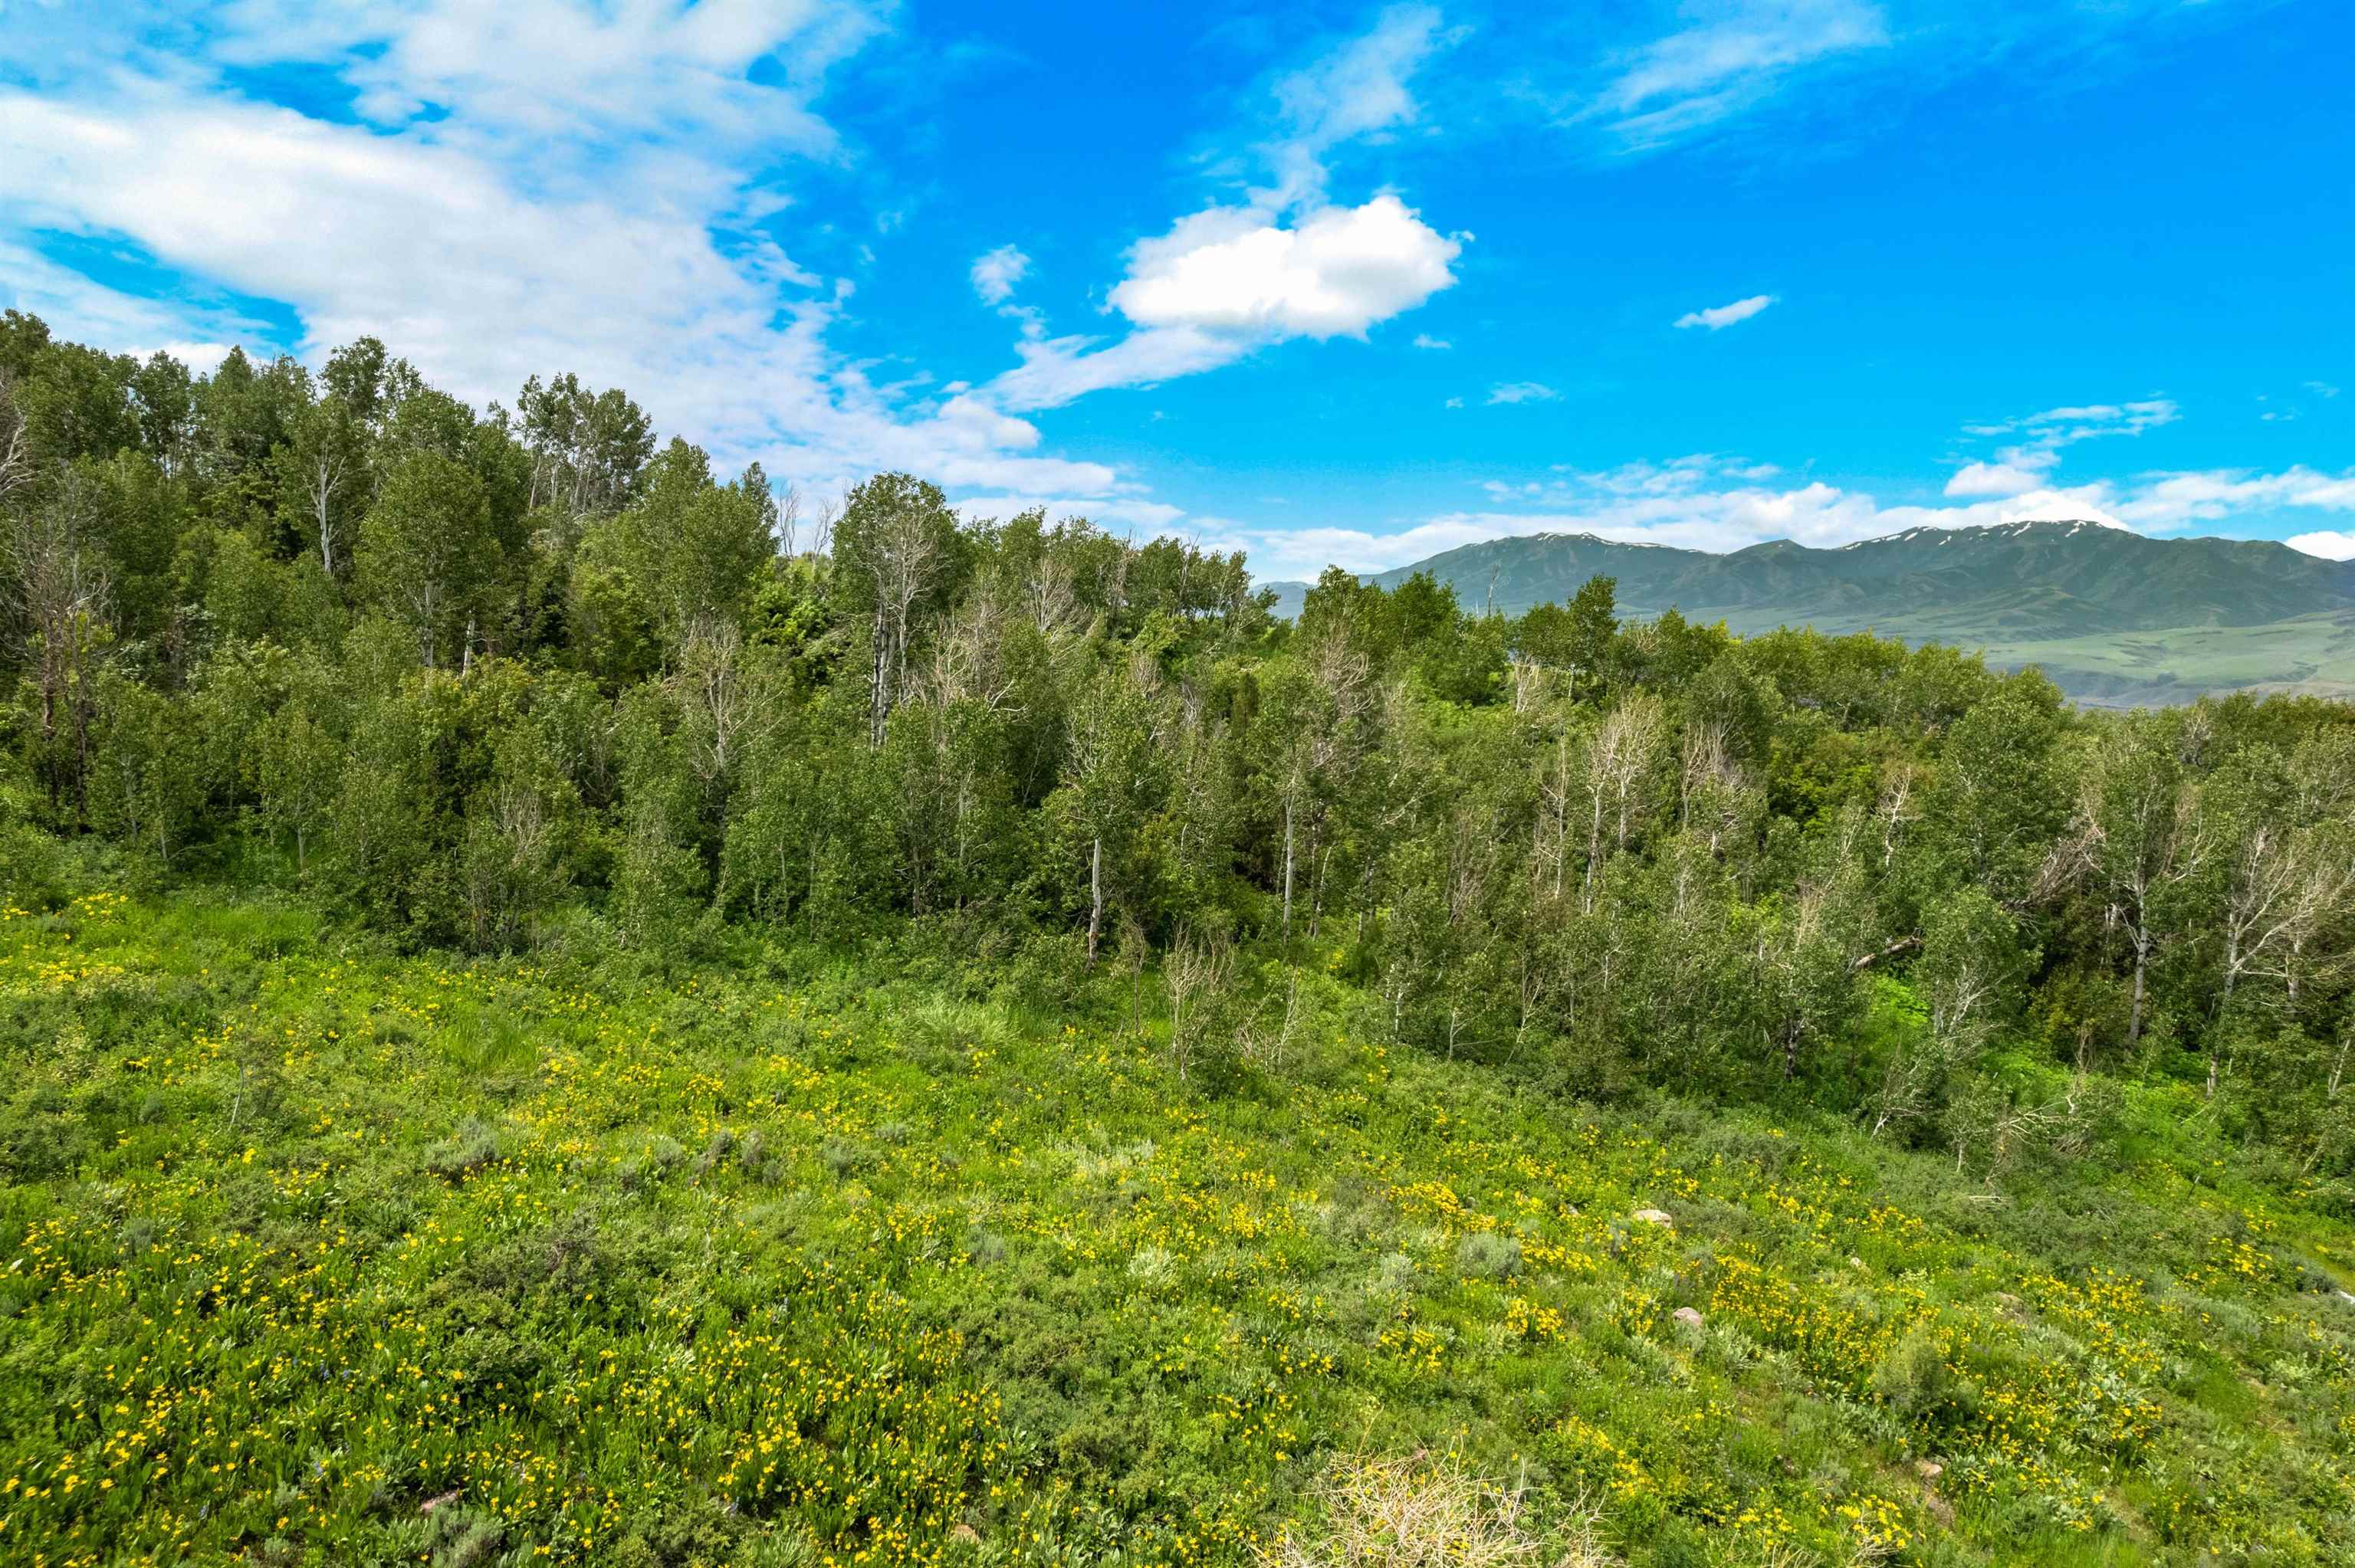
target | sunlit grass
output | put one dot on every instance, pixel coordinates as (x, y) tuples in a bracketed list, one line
[(316, 1252)]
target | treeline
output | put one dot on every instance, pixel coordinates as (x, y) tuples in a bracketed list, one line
[(474, 675)]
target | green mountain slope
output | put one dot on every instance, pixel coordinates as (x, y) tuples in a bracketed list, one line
[(2113, 617)]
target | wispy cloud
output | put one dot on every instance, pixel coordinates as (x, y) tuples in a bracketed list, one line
[(1425, 339), (1732, 57), (996, 272), (1359, 88), (2322, 389), (2026, 464), (1521, 392), (1717, 317), (1288, 263)]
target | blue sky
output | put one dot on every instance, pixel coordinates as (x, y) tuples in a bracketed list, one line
[(1328, 282)]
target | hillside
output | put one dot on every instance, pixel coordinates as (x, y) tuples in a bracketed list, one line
[(559, 1030), (319, 1254), (2113, 617)]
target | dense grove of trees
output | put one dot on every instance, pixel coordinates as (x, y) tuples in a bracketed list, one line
[(472, 675)]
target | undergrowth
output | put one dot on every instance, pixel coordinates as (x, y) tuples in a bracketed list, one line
[(316, 1252)]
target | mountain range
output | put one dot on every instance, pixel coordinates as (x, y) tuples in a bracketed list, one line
[(2114, 617)]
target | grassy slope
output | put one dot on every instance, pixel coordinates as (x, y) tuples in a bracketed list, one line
[(2313, 655), (762, 1265), (2115, 619)]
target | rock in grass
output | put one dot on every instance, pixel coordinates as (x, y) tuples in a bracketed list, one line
[(1690, 1317), (1654, 1217)]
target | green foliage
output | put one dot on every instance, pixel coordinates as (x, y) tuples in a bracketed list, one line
[(1153, 1047), (2116, 618), (1017, 1289), (1487, 1256)]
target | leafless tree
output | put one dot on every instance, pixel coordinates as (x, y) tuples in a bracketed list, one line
[(2139, 835), (56, 596), (1195, 971), (1621, 756), (900, 557), (15, 444)]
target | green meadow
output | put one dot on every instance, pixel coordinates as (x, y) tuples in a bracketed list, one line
[(317, 1253)]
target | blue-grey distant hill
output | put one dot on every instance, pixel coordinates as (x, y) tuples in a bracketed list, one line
[(2113, 617)]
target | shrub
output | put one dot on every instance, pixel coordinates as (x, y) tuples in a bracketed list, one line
[(1486, 1255), (465, 1540), (470, 1148), (1421, 1513), (1914, 1380)]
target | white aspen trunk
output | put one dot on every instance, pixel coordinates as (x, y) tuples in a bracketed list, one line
[(1095, 897), (1288, 870)]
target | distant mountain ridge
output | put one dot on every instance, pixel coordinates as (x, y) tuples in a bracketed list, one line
[(2113, 615)]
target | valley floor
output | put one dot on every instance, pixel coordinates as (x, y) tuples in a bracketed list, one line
[(315, 1253)]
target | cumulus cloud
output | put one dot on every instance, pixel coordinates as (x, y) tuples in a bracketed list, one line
[(529, 187), (1290, 263), (994, 273), (2169, 501), (1996, 478), (1336, 273), (1717, 317), (1521, 392), (2331, 544)]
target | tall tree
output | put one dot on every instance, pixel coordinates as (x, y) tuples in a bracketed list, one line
[(2141, 838), (428, 553), (895, 552)]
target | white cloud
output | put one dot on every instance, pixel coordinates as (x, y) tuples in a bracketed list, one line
[(994, 273), (2322, 389), (1289, 263), (577, 197), (1693, 78), (81, 311), (1521, 392), (1708, 503), (1717, 317), (2061, 426), (1339, 272), (1357, 89), (568, 79), (1996, 478), (2027, 464), (1425, 339), (2331, 544), (2170, 501), (1056, 370), (1228, 281)]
